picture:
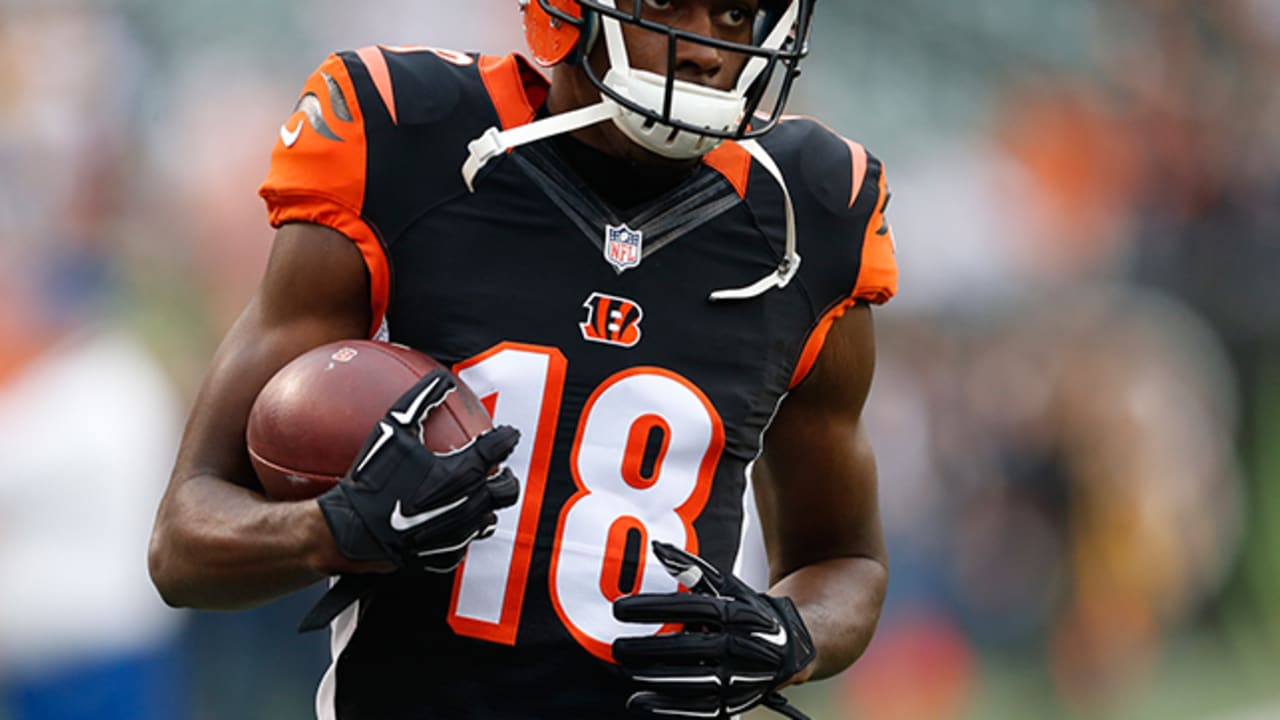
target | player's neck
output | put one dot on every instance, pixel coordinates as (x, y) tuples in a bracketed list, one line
[(622, 183), (571, 90)]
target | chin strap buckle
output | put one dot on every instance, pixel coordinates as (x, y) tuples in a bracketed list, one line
[(779, 279), (494, 142), (481, 150), (786, 269)]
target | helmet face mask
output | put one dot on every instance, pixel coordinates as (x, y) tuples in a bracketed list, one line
[(672, 117)]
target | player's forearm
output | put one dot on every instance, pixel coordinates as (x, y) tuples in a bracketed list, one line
[(840, 601), (218, 546)]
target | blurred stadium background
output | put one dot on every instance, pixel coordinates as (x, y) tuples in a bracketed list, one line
[(1077, 410)]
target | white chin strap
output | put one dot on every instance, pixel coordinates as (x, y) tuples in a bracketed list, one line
[(691, 104), (791, 258), (494, 142)]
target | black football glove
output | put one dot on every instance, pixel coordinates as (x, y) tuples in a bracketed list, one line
[(417, 508), (737, 647)]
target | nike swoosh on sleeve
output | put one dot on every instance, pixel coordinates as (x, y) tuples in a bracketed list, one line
[(289, 137)]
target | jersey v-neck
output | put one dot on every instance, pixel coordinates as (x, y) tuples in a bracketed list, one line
[(599, 192)]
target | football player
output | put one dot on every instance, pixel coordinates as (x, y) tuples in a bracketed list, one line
[(658, 280)]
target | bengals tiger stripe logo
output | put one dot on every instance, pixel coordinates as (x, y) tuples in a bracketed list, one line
[(611, 320), (309, 106)]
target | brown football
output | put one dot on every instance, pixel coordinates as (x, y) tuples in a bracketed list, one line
[(311, 418)]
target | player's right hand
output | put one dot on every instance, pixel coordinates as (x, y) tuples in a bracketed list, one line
[(419, 509)]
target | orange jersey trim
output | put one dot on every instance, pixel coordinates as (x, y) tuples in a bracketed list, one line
[(637, 444), (688, 511), (515, 87), (733, 162), (321, 211), (505, 630), (306, 161), (878, 273), (818, 338), (376, 63), (615, 557), (859, 156), (318, 171)]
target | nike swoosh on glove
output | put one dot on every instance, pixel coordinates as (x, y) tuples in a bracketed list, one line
[(404, 503), (737, 647)]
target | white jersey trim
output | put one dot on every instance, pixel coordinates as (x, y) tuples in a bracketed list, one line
[(342, 628)]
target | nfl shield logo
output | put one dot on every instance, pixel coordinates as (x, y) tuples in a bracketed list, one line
[(622, 246)]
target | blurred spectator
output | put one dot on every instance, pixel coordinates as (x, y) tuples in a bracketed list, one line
[(88, 420), (88, 428), (1060, 483), (1079, 477)]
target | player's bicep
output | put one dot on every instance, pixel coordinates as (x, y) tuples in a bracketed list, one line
[(315, 290), (816, 480), (319, 171)]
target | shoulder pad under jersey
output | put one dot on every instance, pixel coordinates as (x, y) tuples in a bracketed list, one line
[(380, 133), (841, 195)]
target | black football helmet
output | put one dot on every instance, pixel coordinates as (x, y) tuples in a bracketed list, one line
[(671, 117)]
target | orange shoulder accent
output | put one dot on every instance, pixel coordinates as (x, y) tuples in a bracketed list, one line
[(322, 212), (859, 156), (376, 63), (733, 162), (515, 87), (321, 150), (878, 273), (317, 171), (817, 338), (857, 153)]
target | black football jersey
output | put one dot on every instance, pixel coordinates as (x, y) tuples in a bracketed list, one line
[(640, 401)]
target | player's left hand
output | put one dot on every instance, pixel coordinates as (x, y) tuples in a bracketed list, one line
[(737, 648)]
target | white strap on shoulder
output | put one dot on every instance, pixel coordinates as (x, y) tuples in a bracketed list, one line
[(791, 260), (494, 142)]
